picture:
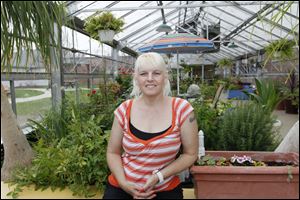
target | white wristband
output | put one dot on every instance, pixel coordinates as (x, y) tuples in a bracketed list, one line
[(159, 175)]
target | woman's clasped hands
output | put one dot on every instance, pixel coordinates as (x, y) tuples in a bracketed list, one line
[(145, 192)]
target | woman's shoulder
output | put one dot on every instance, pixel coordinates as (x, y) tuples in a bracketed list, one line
[(124, 104), (181, 100)]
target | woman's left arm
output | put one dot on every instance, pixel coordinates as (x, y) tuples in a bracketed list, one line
[(190, 143)]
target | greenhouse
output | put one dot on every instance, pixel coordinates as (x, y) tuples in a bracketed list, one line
[(88, 86)]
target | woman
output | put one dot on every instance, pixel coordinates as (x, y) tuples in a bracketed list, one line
[(146, 136)]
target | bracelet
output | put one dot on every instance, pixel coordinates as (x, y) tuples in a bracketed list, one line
[(159, 175)]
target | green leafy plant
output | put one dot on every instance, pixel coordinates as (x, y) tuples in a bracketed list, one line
[(208, 120), (105, 21), (282, 49), (208, 160), (266, 94), (208, 91), (292, 91), (225, 63), (247, 127), (76, 161)]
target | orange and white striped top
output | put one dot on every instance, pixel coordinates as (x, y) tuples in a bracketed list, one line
[(141, 157)]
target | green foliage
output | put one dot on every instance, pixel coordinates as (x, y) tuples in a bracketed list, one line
[(125, 81), (102, 107), (266, 94), (184, 84), (105, 21), (208, 160), (225, 63), (246, 128), (282, 49), (231, 83), (208, 91), (207, 121), (77, 160), (54, 125), (28, 24), (291, 92)]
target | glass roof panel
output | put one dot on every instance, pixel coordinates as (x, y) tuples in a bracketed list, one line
[(140, 24), (92, 5)]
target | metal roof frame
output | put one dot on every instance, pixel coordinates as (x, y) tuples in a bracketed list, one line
[(177, 10)]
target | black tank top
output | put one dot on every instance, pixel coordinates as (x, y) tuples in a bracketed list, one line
[(144, 135)]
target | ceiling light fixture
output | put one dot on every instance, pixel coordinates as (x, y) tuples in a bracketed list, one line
[(232, 45), (164, 28)]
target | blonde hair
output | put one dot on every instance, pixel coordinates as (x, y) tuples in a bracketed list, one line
[(154, 60)]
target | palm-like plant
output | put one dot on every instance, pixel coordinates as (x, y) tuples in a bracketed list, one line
[(24, 25), (267, 95)]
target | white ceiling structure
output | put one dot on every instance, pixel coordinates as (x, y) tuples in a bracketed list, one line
[(251, 25)]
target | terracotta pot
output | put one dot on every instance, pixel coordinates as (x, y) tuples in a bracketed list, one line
[(230, 182)]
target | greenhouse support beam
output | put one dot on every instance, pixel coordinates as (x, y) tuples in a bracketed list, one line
[(176, 6), (55, 73), (13, 96), (95, 55), (45, 76), (115, 56), (271, 22), (202, 74)]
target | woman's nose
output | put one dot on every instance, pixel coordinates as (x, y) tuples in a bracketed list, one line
[(150, 76)]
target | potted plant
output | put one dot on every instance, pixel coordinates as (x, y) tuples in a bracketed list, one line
[(263, 175), (280, 87), (280, 49), (292, 93), (104, 26)]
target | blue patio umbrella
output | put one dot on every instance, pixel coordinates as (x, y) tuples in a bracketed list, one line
[(180, 43)]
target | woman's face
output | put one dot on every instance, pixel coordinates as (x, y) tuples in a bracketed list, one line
[(151, 80)]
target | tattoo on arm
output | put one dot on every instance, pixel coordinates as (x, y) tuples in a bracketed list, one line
[(192, 118)]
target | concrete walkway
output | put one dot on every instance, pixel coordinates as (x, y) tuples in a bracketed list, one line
[(47, 94)]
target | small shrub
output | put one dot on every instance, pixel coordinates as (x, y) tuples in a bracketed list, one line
[(247, 128), (77, 160)]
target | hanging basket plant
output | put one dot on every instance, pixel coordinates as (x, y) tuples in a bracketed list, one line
[(225, 63), (104, 27), (280, 49)]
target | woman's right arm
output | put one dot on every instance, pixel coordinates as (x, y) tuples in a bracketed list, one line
[(114, 151), (113, 156)]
